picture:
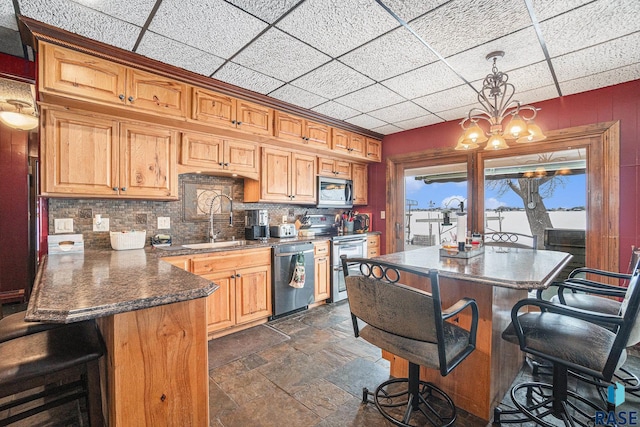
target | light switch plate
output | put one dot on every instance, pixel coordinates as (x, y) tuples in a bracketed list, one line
[(103, 226), (383, 214), (164, 222), (63, 225)]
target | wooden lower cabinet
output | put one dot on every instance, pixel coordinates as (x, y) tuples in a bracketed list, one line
[(373, 245), (322, 271), (244, 281)]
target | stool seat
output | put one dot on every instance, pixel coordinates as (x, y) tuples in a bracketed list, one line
[(589, 302), (14, 326)]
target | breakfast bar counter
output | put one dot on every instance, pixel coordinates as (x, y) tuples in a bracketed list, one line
[(152, 317), (496, 279)]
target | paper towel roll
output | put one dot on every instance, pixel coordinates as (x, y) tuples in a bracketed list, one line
[(462, 228)]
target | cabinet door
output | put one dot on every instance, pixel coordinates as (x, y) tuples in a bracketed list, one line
[(340, 140), (290, 128), (213, 108), (156, 94), (253, 293), (275, 175), (357, 145), (183, 262), (221, 308), (373, 245), (201, 149), (318, 135), (322, 289), (254, 118), (374, 150), (241, 156), (148, 162), (84, 76), (359, 176), (342, 169), (303, 178), (325, 167), (79, 155)]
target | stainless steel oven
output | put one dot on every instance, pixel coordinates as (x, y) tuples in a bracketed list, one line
[(351, 246)]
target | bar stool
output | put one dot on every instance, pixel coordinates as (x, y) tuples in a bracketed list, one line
[(409, 323), (51, 367)]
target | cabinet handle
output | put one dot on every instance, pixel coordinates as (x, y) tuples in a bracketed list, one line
[(226, 164), (233, 122), (121, 96), (238, 275), (115, 188), (239, 123), (293, 197), (221, 164), (130, 99), (123, 188)]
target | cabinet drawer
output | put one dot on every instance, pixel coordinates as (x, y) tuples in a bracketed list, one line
[(230, 261), (373, 252), (373, 241), (321, 249)]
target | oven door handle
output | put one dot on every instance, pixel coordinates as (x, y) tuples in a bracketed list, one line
[(349, 242), (294, 253)]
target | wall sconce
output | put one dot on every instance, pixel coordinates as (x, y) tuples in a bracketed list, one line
[(17, 119)]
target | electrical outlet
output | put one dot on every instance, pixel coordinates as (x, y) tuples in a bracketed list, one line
[(100, 224), (164, 222), (383, 214), (284, 219), (63, 225)]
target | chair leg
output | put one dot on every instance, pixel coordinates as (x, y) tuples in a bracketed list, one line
[(94, 395)]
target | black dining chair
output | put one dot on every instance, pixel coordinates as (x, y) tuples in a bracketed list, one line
[(589, 343), (511, 240), (410, 323)]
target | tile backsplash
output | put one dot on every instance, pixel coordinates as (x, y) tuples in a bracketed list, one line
[(143, 214)]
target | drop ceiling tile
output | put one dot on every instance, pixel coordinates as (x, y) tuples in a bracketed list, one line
[(338, 111), (423, 81), (214, 26), (370, 98), (538, 94), (281, 56), (403, 111), (132, 11), (8, 15), (332, 80), (417, 122), (545, 9), (462, 24), (457, 113), (408, 10), (10, 89), (607, 78), (179, 54), (473, 65), (249, 79), (297, 96), (593, 23), (612, 54), (366, 121), (530, 77), (10, 42), (394, 53), (337, 26), (267, 10), (387, 129), (448, 99), (83, 21)]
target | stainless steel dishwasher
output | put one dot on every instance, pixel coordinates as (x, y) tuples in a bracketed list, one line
[(287, 299)]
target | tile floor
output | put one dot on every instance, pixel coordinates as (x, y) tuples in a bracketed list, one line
[(307, 369)]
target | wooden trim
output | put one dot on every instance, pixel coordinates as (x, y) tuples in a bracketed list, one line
[(33, 31), (602, 140)]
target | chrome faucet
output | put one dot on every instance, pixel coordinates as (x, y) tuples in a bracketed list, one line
[(212, 233)]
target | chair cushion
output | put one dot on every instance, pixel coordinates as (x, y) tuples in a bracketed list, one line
[(566, 338), (14, 326), (421, 353), (46, 352), (589, 302)]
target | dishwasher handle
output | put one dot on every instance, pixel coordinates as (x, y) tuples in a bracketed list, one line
[(293, 253)]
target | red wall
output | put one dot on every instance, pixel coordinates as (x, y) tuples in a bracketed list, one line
[(620, 102)]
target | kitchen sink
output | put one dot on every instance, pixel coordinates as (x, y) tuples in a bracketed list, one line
[(216, 245)]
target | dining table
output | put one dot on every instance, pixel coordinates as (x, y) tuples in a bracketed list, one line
[(496, 277)]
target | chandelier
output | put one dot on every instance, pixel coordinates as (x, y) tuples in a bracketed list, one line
[(17, 119), (496, 97)]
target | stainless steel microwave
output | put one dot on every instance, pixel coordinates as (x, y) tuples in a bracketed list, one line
[(335, 192)]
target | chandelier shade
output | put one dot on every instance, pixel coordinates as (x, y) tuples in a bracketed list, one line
[(496, 99), (17, 119)]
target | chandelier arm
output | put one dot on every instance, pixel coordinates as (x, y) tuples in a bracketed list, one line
[(473, 116)]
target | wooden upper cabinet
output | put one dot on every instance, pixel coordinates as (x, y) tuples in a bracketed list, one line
[(360, 190), (148, 160), (211, 153), (226, 111), (374, 150), (349, 143), (340, 140), (70, 73), (334, 168), (357, 145), (303, 179), (79, 155), (296, 129)]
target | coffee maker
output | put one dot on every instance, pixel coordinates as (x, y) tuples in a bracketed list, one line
[(256, 224)]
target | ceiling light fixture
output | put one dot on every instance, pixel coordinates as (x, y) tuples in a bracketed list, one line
[(17, 119), (496, 97)]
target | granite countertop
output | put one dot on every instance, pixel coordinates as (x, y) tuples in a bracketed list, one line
[(80, 286), (498, 266)]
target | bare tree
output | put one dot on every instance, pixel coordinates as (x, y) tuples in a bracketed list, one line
[(532, 191)]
